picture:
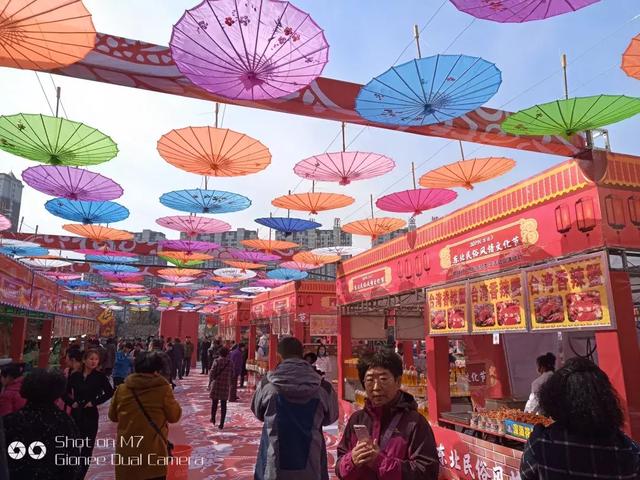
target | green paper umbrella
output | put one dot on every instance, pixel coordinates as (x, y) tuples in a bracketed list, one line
[(570, 116), (54, 140), (181, 263)]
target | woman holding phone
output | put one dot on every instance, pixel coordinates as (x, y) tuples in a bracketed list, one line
[(388, 439)]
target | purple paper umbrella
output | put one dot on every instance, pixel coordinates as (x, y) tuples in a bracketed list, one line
[(71, 183), (416, 201), (188, 245), (269, 282), (254, 256), (249, 50), (193, 225), (344, 167), (519, 11)]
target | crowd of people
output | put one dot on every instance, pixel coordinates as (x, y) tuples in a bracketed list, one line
[(388, 439)]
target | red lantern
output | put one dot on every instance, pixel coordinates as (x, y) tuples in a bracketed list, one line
[(563, 218), (634, 210), (425, 262), (615, 212), (585, 215), (412, 235)]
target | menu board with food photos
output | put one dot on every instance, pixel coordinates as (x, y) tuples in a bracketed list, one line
[(570, 294), (498, 304), (448, 313)]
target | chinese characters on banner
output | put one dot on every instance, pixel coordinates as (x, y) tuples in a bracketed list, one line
[(477, 374), (571, 294), (498, 304), (448, 310), (323, 325)]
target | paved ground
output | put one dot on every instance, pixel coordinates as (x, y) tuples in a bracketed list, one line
[(229, 454)]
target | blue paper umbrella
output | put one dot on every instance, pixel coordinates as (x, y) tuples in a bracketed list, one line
[(76, 284), (205, 201), (429, 90), (114, 268), (17, 251), (87, 212), (287, 274), (288, 225), (110, 259)]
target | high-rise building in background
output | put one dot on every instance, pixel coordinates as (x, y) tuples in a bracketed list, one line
[(11, 198), (319, 238), (389, 236), (150, 236)]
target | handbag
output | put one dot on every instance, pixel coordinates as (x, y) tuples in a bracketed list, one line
[(153, 424)]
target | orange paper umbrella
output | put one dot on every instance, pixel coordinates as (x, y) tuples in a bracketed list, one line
[(97, 233), (466, 173), (374, 227), (180, 272), (292, 265), (227, 279), (44, 34), (312, 202), (631, 58), (268, 245), (244, 265), (185, 256), (315, 260), (215, 152)]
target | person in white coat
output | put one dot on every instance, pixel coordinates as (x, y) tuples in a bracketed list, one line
[(546, 366)]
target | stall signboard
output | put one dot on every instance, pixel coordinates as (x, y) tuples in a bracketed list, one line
[(323, 325), (498, 304), (571, 294), (379, 278), (448, 312)]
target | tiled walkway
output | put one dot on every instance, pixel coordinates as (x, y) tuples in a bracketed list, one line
[(229, 454)]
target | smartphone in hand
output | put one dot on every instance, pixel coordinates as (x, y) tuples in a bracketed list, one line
[(362, 433)]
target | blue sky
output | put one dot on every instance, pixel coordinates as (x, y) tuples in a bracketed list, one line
[(365, 38)]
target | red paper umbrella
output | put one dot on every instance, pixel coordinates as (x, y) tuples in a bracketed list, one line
[(466, 173), (293, 265), (97, 233), (192, 225), (312, 202), (344, 167), (268, 245), (374, 227), (416, 201), (315, 260)]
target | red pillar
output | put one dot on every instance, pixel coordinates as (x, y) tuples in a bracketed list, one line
[(298, 330), (344, 349), (273, 351), (45, 343), (407, 353), (619, 353), (252, 341), (18, 337), (438, 392), (63, 352), (237, 337)]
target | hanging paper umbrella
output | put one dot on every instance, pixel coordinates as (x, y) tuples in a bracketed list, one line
[(228, 279), (209, 292), (568, 117), (631, 58), (16, 251), (111, 259), (415, 201), (182, 263), (344, 167), (97, 233), (106, 251), (89, 293), (188, 245), (44, 262), (255, 289), (342, 250), (72, 183), (244, 265), (5, 223), (287, 225), (114, 268), (519, 11), (374, 227), (8, 242), (122, 276), (192, 225), (185, 256), (213, 152), (243, 50), (205, 201), (268, 245), (76, 284), (177, 279), (313, 259), (44, 34), (250, 256), (243, 297), (429, 90), (312, 202), (127, 285), (234, 273), (292, 265), (286, 274), (54, 140), (63, 275), (180, 272), (87, 212), (467, 173), (269, 282)]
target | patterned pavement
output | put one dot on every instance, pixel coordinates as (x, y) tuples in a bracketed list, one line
[(227, 454)]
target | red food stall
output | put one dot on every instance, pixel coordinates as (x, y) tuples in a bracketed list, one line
[(544, 264), (233, 323)]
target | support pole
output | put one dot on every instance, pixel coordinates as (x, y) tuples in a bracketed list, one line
[(18, 337), (461, 149), (344, 140), (45, 343), (344, 350), (413, 174), (416, 35), (273, 351), (563, 62), (58, 91)]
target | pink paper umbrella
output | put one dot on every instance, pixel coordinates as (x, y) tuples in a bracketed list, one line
[(249, 50), (72, 183), (344, 167), (5, 223), (269, 282), (177, 279), (110, 253), (518, 11), (193, 225), (254, 256), (122, 276), (416, 201), (188, 246), (127, 285)]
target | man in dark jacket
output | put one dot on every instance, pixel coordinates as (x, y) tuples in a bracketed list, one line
[(204, 355), (178, 353), (156, 346), (399, 442), (294, 402), (188, 355)]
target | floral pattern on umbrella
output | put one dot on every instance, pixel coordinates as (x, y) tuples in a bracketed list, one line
[(97, 233), (249, 50), (344, 167), (72, 183), (416, 201), (288, 225), (205, 201), (85, 212), (293, 265), (193, 225), (188, 245), (519, 11)]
